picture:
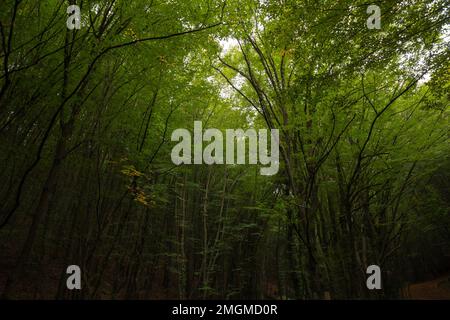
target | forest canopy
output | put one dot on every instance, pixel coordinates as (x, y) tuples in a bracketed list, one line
[(87, 112)]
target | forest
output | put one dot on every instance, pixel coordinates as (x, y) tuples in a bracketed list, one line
[(93, 93)]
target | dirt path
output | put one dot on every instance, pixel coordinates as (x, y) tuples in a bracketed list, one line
[(437, 289)]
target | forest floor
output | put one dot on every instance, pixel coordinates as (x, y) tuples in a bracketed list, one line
[(436, 289)]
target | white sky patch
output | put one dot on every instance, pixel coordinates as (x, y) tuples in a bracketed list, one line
[(238, 81), (187, 59), (227, 91), (409, 62), (96, 8), (227, 44)]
